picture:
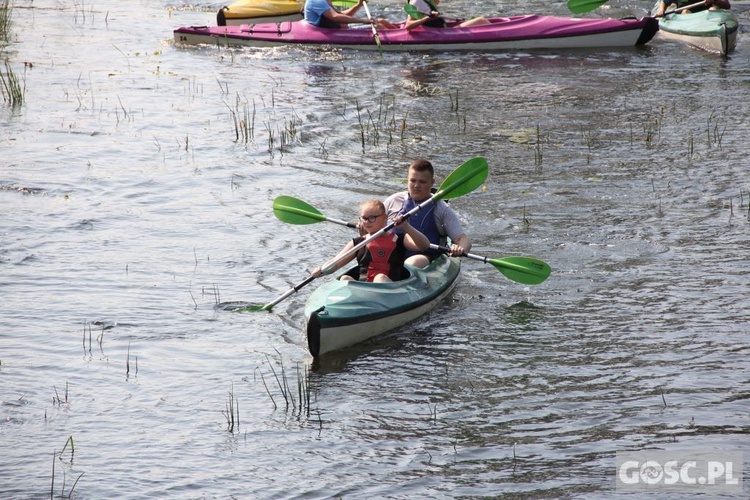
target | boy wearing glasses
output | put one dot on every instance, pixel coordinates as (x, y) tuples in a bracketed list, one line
[(436, 221), (382, 259)]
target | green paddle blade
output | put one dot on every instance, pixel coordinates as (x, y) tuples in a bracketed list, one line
[(522, 269), (344, 4), (241, 306), (412, 11), (583, 6), (464, 179), (253, 308), (294, 211)]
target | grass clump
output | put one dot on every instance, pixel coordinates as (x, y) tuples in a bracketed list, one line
[(11, 87)]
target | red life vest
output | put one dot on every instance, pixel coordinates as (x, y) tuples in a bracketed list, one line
[(383, 255)]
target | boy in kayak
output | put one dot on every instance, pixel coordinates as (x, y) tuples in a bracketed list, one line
[(666, 5), (436, 221), (323, 14), (382, 259)]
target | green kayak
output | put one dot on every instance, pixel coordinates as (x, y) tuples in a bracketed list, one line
[(709, 30), (340, 314)]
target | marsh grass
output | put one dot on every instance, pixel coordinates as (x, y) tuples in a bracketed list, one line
[(297, 401), (69, 463), (5, 17), (243, 119), (231, 412), (539, 147), (57, 400), (433, 411), (376, 124), (127, 365), (13, 90), (714, 132), (454, 102), (85, 331)]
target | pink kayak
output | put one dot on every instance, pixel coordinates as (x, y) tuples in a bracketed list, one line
[(505, 33)]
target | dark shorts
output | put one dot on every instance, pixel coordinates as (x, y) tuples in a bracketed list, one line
[(327, 23), (435, 22)]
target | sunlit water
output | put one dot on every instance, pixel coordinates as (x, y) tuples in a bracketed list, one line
[(131, 203)]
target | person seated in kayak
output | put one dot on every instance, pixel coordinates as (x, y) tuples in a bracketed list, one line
[(323, 14), (667, 5), (432, 18), (382, 259), (436, 222)]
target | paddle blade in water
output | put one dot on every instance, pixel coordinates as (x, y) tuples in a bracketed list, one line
[(464, 179), (583, 6), (294, 211), (241, 306), (257, 307), (524, 270)]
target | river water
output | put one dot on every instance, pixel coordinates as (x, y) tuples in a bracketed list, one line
[(132, 201)]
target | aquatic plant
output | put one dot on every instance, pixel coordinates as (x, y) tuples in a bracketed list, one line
[(243, 119), (715, 135), (538, 147), (12, 89), (232, 412), (59, 456), (127, 364), (57, 400), (375, 124), (85, 324), (454, 102), (5, 14), (302, 403)]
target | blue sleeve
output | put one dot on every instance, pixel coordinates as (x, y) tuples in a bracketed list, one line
[(314, 10)]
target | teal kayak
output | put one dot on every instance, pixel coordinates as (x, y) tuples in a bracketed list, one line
[(340, 314), (709, 30)]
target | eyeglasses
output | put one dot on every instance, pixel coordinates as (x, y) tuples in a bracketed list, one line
[(369, 218)]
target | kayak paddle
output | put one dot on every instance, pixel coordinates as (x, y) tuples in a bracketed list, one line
[(412, 11), (680, 9), (372, 25), (465, 179), (526, 270), (294, 211), (583, 6)]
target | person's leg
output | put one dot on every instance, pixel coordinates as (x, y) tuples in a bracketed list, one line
[(417, 260), (386, 25), (477, 21)]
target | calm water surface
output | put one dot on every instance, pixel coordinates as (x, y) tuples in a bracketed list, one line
[(131, 203)]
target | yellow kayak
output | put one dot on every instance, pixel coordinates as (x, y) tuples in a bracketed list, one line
[(259, 11), (266, 11)]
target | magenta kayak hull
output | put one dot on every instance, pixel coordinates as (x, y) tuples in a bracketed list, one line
[(506, 33)]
